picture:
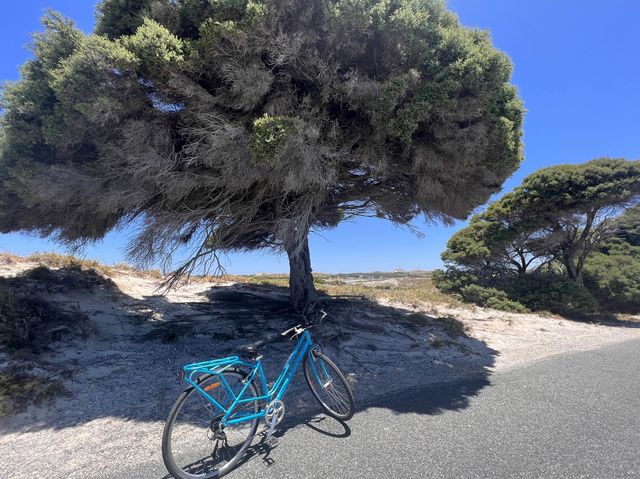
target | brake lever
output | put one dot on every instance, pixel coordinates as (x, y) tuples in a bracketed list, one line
[(298, 329), (284, 333)]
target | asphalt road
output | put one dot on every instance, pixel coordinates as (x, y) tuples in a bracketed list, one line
[(571, 416)]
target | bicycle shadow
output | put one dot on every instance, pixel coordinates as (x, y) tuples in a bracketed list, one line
[(323, 425), (427, 399), (261, 449)]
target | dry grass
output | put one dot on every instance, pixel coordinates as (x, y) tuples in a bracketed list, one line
[(450, 325), (29, 317), (9, 258), (409, 289), (413, 288), (135, 271), (632, 318), (57, 261)]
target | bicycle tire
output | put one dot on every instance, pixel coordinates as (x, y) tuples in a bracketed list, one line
[(343, 401), (168, 455)]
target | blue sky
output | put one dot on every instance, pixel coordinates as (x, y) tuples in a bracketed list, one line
[(577, 69)]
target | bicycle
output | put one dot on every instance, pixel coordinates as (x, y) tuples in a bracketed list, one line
[(227, 390)]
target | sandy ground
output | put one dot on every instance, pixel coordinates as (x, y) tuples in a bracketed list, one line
[(522, 338), (123, 379)]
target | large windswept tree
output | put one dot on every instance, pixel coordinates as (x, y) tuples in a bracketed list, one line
[(245, 124)]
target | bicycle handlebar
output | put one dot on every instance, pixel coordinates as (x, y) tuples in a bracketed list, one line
[(299, 328)]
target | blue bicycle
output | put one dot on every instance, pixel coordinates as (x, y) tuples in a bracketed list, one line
[(215, 419)]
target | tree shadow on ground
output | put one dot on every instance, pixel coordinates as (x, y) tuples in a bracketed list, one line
[(128, 369)]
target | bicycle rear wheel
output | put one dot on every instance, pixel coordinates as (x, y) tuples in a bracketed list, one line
[(329, 386), (194, 443)]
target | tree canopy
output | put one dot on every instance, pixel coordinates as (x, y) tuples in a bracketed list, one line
[(244, 124), (561, 213)]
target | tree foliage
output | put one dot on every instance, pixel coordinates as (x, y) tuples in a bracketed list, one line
[(561, 213), (243, 124), (628, 226), (613, 272), (536, 242)]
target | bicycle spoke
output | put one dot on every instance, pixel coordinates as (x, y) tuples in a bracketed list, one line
[(329, 386), (200, 445)]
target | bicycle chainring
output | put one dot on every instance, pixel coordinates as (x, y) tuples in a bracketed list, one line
[(274, 412)]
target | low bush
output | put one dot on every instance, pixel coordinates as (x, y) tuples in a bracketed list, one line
[(468, 286), (452, 280), (491, 298), (57, 260), (537, 292), (551, 292), (71, 278)]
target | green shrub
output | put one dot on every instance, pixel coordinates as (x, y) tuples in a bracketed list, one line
[(551, 292), (546, 292), (613, 276), (491, 297), (452, 280)]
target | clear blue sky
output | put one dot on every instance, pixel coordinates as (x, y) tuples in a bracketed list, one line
[(577, 68)]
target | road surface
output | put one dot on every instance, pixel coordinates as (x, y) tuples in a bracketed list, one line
[(571, 416)]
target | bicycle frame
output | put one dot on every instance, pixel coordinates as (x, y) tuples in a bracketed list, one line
[(191, 373)]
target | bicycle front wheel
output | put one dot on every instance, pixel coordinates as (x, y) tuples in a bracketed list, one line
[(195, 445), (329, 386)]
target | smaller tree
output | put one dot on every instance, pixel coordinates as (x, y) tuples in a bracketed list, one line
[(559, 214), (575, 207)]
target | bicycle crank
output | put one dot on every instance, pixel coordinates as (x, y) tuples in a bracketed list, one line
[(273, 414)]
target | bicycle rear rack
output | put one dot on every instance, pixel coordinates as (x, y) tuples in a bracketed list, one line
[(214, 366)]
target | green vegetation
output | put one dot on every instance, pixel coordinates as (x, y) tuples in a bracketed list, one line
[(270, 134), (613, 273), (490, 297), (551, 292), (243, 124), (564, 241)]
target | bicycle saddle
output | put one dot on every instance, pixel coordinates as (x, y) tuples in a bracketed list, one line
[(252, 348)]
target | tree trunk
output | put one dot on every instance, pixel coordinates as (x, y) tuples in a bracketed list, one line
[(301, 288), (573, 271)]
